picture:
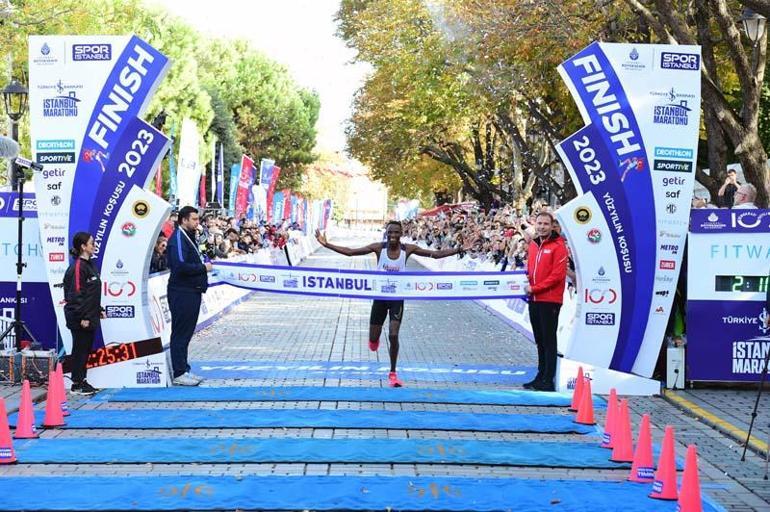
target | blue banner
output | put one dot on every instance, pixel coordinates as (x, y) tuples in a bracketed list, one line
[(266, 172), (609, 158), (277, 207), (125, 95), (137, 153), (235, 174)]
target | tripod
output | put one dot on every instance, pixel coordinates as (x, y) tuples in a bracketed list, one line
[(762, 378), (18, 326)]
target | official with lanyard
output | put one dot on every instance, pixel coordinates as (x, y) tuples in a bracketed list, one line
[(187, 282)]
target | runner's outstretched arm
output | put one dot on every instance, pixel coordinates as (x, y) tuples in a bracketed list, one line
[(346, 251)]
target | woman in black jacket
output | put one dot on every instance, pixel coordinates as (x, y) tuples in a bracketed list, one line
[(82, 308)]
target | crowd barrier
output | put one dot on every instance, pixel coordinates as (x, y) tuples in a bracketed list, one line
[(514, 312)]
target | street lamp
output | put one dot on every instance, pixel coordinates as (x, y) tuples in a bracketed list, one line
[(15, 102), (753, 25)]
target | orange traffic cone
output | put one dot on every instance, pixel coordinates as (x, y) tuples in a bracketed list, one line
[(623, 449), (664, 486), (7, 455), (53, 414), (585, 414), (689, 495), (25, 422), (578, 391), (610, 421), (65, 410), (642, 470)]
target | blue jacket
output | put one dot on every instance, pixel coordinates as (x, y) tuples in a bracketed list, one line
[(188, 273)]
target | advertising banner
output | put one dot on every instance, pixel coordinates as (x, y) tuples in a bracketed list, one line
[(98, 156), (633, 165), (36, 305), (244, 184), (189, 167), (373, 285), (235, 173), (220, 192), (728, 263), (274, 175)]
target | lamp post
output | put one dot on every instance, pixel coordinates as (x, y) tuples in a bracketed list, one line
[(754, 25), (15, 102)]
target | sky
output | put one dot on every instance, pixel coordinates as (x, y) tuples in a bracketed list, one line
[(296, 33)]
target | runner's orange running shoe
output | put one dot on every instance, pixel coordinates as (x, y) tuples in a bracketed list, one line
[(374, 345)]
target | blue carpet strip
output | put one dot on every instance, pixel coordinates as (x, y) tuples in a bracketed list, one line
[(306, 450), (317, 418), (203, 493)]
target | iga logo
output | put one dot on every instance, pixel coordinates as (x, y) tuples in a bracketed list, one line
[(119, 289), (667, 265), (119, 311), (594, 236), (600, 296), (680, 61), (128, 229), (56, 256), (600, 318), (91, 52)]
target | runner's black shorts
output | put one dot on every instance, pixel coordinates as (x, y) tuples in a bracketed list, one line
[(381, 308)]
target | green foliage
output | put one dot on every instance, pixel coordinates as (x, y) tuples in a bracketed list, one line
[(232, 92)]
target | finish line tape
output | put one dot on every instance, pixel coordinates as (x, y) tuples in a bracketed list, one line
[(366, 284)]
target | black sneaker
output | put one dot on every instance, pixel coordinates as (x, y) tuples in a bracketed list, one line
[(83, 388)]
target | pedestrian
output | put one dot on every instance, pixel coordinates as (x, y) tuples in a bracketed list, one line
[(82, 308), (187, 282), (547, 272)]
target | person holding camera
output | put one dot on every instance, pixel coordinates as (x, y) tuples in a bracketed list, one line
[(82, 308), (728, 189)]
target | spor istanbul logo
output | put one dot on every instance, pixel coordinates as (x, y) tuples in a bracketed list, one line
[(673, 108)]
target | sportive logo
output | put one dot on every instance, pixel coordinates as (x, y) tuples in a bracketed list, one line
[(600, 318), (56, 158), (91, 52), (583, 215), (680, 153), (119, 311), (600, 296), (667, 265), (61, 106), (680, 61), (594, 236), (672, 166), (128, 229)]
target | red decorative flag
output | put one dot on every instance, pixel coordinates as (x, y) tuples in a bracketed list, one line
[(202, 202), (159, 181)]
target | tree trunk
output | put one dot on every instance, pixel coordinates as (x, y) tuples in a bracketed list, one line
[(754, 162)]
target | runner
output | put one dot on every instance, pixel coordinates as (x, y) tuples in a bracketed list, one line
[(391, 257)]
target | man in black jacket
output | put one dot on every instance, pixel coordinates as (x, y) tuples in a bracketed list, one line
[(187, 282)]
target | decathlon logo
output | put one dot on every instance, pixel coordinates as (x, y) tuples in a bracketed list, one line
[(600, 296), (119, 289)]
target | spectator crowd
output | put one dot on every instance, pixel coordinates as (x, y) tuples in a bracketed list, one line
[(224, 237)]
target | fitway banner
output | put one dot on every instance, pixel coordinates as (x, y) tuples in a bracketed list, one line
[(727, 333), (632, 165), (98, 157), (363, 284)]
